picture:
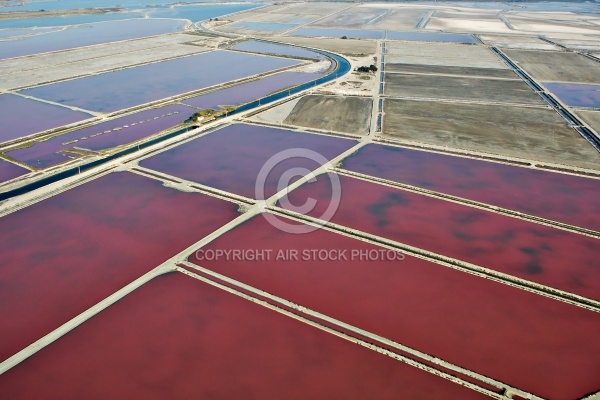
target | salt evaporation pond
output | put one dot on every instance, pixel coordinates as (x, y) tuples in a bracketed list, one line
[(66, 20), (87, 35), (103, 135), (256, 46), (68, 252), (231, 158), (329, 32), (412, 301), (130, 87), (177, 337), (247, 92), (262, 26), (10, 171), (576, 94), (431, 37), (197, 13), (20, 116)]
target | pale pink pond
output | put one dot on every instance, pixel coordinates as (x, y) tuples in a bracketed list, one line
[(20, 116)]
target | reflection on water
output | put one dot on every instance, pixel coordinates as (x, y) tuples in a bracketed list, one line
[(350, 33)]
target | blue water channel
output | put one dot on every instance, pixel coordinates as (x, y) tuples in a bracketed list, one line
[(342, 66)]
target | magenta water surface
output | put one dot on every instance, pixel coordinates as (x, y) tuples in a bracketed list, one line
[(431, 37), (556, 196), (179, 338), (64, 254), (103, 135), (112, 91), (20, 116), (470, 321), (251, 91), (528, 250), (231, 158), (576, 94)]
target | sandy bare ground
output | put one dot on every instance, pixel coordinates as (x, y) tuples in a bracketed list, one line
[(276, 115), (351, 18), (405, 19), (528, 133)]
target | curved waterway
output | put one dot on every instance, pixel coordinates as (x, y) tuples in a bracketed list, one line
[(340, 67)]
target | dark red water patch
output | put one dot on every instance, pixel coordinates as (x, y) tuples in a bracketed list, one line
[(178, 338), (559, 197), (529, 341), (535, 252), (104, 135), (10, 171), (231, 158), (63, 255), (20, 116)]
